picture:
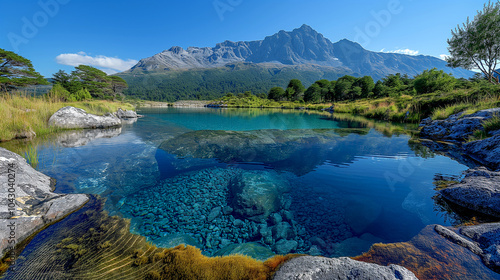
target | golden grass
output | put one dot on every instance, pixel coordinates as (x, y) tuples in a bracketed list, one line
[(20, 113)]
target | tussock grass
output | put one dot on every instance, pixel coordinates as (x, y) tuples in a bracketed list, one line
[(20, 112)]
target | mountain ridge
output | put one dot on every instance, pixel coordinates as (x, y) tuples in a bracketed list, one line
[(300, 46)]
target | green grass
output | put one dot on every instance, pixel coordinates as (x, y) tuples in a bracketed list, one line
[(20, 113), (31, 155)]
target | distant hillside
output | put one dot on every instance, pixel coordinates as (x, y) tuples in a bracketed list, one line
[(266, 63), (214, 82)]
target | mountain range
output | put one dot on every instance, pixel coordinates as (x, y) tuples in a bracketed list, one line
[(259, 65)]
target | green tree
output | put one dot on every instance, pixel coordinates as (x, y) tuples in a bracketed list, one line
[(295, 90), (94, 80), (82, 95), (313, 93), (433, 80), (366, 84), (343, 86), (276, 94), (58, 93), (476, 45), (17, 71), (118, 85)]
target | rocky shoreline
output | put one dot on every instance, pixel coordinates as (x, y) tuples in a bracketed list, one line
[(479, 190), (27, 203)]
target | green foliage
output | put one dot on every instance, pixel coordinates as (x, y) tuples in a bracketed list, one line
[(476, 45), (17, 71), (58, 93), (96, 81), (87, 82), (313, 94), (276, 94), (433, 80), (295, 90), (82, 95)]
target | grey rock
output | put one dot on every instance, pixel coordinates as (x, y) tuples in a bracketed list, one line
[(283, 247), (457, 127), (227, 210), (257, 194), (214, 213), (35, 203), (316, 268), (456, 238), (71, 117), (127, 114), (238, 223), (486, 151), (479, 191), (276, 218), (283, 230)]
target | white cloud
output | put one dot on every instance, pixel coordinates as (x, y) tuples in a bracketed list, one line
[(443, 56), (110, 65), (404, 51)]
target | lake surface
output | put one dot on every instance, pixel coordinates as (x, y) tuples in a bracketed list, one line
[(276, 181)]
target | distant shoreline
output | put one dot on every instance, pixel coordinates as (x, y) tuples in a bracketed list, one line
[(180, 103)]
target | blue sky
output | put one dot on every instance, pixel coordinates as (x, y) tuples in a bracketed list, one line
[(112, 35)]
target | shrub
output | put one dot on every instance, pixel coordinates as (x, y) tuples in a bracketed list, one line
[(433, 80)]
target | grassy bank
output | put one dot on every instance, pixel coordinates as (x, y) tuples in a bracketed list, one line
[(403, 108), (20, 113)]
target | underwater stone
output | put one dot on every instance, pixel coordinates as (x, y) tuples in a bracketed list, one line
[(276, 218), (283, 230), (256, 194), (283, 247), (238, 223), (214, 213)]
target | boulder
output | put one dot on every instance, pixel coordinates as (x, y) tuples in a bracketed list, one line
[(127, 114), (283, 230), (283, 247), (70, 117), (214, 213), (486, 151), (308, 267), (252, 249), (257, 194), (457, 127), (33, 204), (479, 191)]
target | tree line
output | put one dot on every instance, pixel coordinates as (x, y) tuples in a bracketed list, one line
[(352, 88), (84, 83)]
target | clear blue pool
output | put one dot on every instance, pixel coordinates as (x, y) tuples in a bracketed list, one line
[(343, 189)]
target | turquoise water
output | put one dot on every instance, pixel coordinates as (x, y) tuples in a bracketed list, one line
[(327, 189)]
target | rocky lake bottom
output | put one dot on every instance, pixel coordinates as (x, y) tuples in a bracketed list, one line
[(256, 182)]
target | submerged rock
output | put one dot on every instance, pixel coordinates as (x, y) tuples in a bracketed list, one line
[(27, 200), (342, 268), (457, 127), (283, 246), (256, 194), (252, 249), (479, 191), (70, 117)]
